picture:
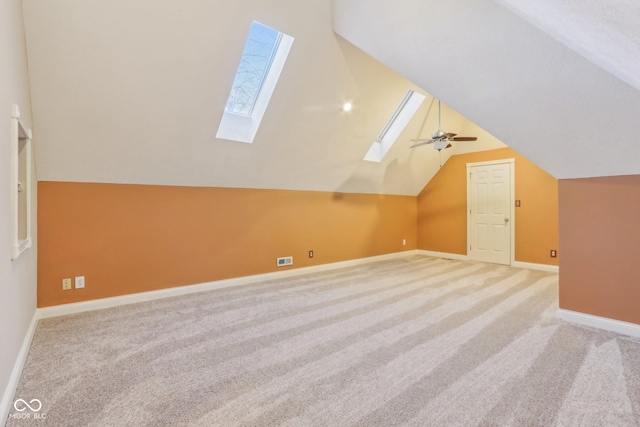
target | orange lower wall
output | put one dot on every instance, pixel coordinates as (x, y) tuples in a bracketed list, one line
[(599, 235), (442, 208), (134, 238)]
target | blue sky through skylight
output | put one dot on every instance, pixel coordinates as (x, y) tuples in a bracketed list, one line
[(254, 66)]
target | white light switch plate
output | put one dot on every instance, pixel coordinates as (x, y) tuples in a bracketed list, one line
[(79, 282)]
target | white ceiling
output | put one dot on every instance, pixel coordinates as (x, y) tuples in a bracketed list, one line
[(519, 81), (605, 32), (133, 92)]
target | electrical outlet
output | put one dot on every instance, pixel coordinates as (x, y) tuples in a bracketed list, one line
[(66, 284), (310, 254), (79, 282), (553, 253), (404, 242)]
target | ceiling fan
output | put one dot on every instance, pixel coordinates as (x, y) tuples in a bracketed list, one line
[(441, 139)]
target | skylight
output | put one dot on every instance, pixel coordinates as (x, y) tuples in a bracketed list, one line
[(262, 61), (254, 66), (394, 127)]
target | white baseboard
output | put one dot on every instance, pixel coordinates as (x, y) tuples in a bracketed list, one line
[(14, 379), (532, 266), (517, 264), (605, 323), (444, 255), (80, 307)]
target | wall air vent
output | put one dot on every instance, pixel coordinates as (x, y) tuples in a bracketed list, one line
[(284, 261)]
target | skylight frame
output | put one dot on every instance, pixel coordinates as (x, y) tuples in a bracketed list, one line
[(395, 115), (395, 125), (242, 127)]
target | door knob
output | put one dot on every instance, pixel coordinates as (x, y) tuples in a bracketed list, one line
[(506, 219)]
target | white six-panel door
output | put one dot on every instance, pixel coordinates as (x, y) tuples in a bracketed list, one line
[(489, 212)]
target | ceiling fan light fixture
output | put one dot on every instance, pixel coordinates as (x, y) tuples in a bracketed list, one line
[(440, 144)]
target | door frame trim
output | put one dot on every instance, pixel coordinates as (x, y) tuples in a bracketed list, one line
[(511, 163)]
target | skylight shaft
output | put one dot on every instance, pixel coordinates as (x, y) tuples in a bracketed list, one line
[(395, 115)]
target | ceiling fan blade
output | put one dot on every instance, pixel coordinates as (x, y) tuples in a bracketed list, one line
[(423, 142), (449, 135), (464, 138), (420, 140), (449, 146)]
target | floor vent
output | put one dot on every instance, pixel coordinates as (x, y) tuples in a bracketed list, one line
[(284, 261)]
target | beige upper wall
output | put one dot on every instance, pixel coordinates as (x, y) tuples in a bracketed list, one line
[(133, 92), (18, 277), (485, 141)]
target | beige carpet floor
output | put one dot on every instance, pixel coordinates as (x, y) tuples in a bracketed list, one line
[(416, 341)]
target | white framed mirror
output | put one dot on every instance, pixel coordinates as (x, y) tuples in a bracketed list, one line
[(21, 185)]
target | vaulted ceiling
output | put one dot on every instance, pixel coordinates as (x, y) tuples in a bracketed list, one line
[(133, 92), (556, 80)]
